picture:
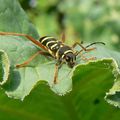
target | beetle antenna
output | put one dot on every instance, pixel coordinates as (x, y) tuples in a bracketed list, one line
[(95, 43), (78, 52)]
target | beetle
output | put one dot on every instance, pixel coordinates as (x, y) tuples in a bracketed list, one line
[(56, 49)]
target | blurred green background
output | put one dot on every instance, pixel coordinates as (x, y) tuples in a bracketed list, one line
[(85, 20)]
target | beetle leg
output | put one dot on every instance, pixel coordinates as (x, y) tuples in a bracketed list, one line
[(58, 65), (83, 48), (27, 36), (87, 59), (31, 58), (56, 74)]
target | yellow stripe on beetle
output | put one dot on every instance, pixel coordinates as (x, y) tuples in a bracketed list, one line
[(53, 45), (66, 53), (46, 38), (49, 42)]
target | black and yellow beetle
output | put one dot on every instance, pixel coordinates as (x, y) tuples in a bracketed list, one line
[(56, 49)]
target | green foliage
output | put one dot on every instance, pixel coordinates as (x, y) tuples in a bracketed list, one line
[(94, 20), (89, 20), (85, 101), (84, 86), (12, 15)]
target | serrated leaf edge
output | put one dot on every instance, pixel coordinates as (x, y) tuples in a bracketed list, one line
[(116, 73)]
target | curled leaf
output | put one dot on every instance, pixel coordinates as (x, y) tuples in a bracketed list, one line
[(4, 67)]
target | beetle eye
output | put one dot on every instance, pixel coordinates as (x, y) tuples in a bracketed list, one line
[(67, 58)]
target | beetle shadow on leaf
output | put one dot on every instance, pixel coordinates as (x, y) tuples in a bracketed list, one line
[(13, 81)]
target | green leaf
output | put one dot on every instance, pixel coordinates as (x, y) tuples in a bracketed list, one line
[(113, 96), (14, 19), (4, 67), (22, 49), (39, 69), (84, 102), (102, 53)]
